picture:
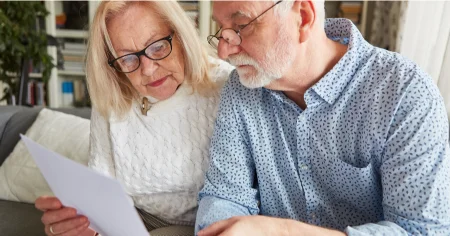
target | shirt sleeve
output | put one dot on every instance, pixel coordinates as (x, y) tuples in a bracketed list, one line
[(101, 159), (415, 169), (229, 184)]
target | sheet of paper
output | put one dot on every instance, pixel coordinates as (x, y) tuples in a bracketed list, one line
[(100, 198)]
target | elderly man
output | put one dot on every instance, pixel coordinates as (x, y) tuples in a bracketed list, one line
[(320, 133)]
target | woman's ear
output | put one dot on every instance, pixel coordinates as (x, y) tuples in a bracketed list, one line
[(307, 16)]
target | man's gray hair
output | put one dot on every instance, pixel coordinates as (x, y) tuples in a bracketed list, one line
[(283, 8)]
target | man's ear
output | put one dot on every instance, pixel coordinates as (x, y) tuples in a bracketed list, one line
[(306, 18)]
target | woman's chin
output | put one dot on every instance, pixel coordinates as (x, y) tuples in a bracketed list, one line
[(161, 95)]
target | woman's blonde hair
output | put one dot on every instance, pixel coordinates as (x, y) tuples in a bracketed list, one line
[(111, 91)]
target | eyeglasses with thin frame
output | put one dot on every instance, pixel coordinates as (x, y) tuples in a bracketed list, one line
[(232, 36), (157, 50)]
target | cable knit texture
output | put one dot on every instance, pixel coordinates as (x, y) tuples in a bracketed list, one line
[(160, 158)]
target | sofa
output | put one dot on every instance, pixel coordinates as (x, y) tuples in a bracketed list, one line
[(18, 218)]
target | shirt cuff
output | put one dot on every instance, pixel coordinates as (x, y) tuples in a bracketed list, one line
[(213, 209), (381, 228)]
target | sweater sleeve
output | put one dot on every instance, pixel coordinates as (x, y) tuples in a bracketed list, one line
[(100, 150)]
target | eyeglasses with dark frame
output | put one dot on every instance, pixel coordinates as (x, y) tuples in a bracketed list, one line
[(157, 50), (232, 36)]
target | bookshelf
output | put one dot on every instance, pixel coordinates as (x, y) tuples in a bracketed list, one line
[(78, 34), (200, 11), (61, 73)]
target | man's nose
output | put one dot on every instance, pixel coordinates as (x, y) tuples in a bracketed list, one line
[(225, 49)]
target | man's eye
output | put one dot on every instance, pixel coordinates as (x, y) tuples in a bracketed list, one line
[(237, 26)]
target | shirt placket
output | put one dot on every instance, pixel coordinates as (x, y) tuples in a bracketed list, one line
[(304, 169)]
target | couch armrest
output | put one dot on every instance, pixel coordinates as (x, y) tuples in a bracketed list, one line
[(13, 121)]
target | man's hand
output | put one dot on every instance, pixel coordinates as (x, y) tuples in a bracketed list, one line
[(245, 225), (263, 225)]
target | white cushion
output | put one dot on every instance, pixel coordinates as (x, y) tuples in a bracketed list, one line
[(68, 135)]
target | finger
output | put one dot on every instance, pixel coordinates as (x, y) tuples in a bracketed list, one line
[(46, 203), (68, 225), (78, 230), (54, 216), (217, 228), (47, 231)]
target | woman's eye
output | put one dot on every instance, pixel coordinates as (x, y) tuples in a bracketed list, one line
[(157, 48), (127, 60)]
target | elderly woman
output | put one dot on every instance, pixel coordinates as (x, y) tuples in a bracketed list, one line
[(154, 92)]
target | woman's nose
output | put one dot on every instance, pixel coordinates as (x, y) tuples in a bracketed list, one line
[(148, 66)]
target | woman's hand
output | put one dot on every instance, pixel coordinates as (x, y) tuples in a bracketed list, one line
[(60, 220)]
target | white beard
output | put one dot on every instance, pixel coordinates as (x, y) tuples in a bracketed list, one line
[(278, 59)]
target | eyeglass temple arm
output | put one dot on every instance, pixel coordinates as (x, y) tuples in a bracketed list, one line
[(261, 14), (219, 37)]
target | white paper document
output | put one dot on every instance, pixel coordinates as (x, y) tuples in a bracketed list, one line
[(100, 198)]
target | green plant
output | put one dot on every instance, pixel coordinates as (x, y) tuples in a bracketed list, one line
[(20, 39)]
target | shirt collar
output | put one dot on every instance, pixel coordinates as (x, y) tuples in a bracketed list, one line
[(331, 86)]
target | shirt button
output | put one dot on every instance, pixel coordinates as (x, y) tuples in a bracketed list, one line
[(304, 167), (313, 216)]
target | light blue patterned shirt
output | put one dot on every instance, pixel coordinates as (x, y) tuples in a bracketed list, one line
[(368, 156)]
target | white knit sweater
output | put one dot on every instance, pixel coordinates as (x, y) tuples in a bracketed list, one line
[(160, 158)]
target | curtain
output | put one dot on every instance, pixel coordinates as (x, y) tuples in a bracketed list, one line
[(424, 38), (444, 78), (388, 17)]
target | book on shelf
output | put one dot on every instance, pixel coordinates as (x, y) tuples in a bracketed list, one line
[(74, 58), (78, 95), (40, 93), (74, 93), (74, 66), (36, 93), (67, 94), (353, 7), (30, 92), (73, 52), (79, 90), (351, 11), (75, 46), (2, 88)]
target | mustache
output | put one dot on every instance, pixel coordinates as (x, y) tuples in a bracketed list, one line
[(241, 59)]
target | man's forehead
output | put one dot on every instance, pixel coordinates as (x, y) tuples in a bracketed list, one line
[(228, 10)]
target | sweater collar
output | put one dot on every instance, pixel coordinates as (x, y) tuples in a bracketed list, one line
[(177, 99)]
